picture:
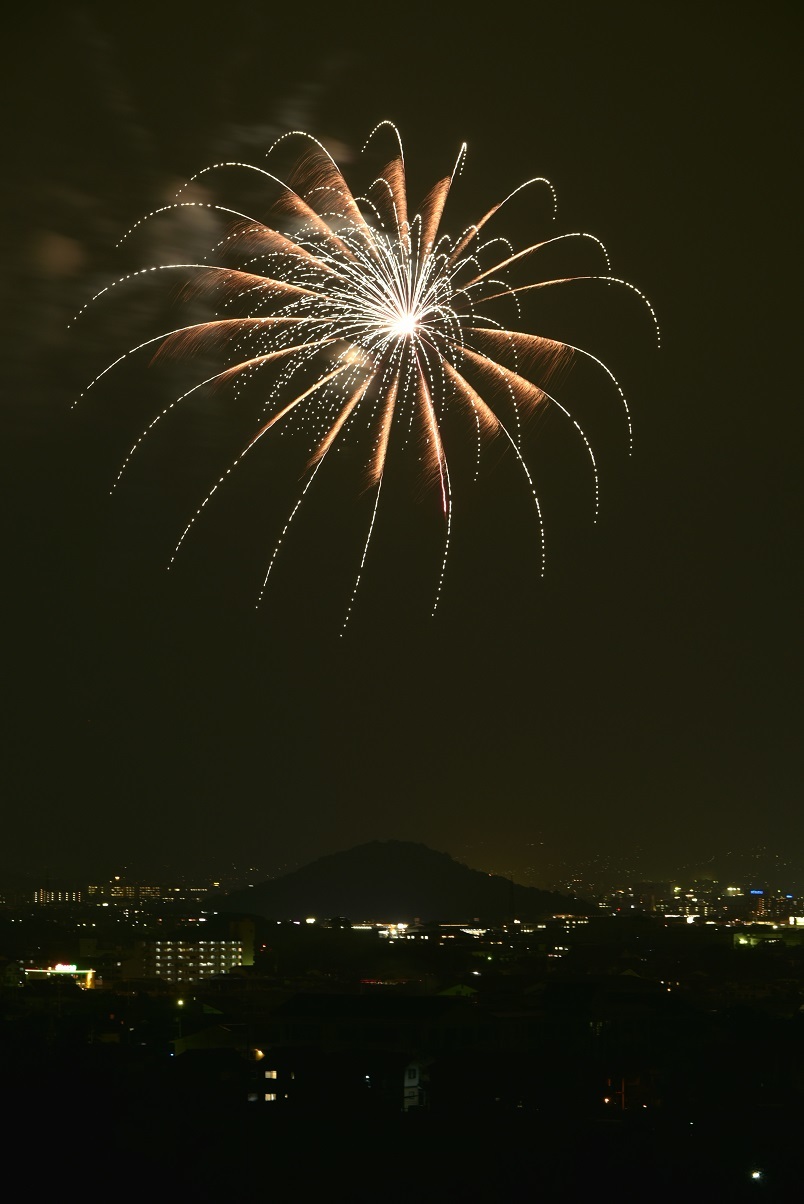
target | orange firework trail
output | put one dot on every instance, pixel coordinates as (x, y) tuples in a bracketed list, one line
[(372, 319)]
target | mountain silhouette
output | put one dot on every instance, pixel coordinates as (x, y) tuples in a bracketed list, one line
[(396, 880)]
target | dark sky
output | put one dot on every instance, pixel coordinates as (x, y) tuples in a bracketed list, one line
[(641, 704)]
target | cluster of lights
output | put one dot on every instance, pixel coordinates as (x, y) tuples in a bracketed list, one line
[(84, 978)]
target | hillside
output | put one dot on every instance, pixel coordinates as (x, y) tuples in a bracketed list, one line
[(396, 881)]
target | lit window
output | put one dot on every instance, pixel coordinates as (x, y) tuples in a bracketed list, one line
[(270, 1074), (270, 1098)]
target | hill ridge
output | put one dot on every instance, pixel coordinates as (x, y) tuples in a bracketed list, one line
[(396, 880)]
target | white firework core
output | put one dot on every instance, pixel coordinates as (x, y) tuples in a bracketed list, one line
[(363, 313), (403, 325)]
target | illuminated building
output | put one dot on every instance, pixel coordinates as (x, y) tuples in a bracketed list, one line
[(84, 978), (118, 890), (184, 959), (46, 895)]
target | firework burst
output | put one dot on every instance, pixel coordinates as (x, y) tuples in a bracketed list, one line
[(362, 319)]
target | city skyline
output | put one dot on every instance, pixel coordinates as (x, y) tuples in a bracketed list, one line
[(758, 869)]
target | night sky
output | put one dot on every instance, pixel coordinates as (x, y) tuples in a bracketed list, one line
[(641, 703)]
